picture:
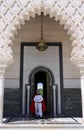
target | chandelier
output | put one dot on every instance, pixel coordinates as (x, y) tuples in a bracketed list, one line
[(42, 46)]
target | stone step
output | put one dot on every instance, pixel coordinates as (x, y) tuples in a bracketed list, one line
[(43, 124)]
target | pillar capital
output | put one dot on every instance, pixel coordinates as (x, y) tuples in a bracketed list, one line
[(79, 62), (81, 67), (4, 63), (2, 71), (54, 87), (82, 72)]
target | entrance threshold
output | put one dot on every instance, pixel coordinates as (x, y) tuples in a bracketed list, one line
[(31, 120), (43, 124)]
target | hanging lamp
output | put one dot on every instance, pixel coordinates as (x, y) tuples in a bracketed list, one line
[(42, 46)]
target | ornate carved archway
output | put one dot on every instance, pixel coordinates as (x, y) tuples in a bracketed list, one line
[(13, 13)]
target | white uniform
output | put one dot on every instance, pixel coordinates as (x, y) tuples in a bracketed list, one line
[(38, 105)]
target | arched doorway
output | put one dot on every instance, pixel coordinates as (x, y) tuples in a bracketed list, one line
[(53, 69), (45, 77)]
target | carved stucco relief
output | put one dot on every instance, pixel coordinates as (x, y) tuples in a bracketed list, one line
[(70, 13)]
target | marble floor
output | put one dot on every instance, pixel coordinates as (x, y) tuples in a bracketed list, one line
[(25, 120), (22, 123)]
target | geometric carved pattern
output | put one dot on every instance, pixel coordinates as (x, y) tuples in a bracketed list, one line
[(70, 13)]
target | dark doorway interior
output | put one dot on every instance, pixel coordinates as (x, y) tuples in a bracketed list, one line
[(41, 77)]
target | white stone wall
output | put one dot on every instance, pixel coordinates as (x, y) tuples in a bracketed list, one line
[(53, 32), (13, 72), (48, 58)]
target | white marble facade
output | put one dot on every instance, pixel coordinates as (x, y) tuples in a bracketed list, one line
[(62, 15), (53, 32), (33, 58)]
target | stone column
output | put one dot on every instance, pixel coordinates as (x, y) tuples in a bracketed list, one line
[(2, 72), (80, 64), (82, 89), (54, 99), (28, 97)]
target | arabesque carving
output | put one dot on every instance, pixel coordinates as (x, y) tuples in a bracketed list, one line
[(70, 13)]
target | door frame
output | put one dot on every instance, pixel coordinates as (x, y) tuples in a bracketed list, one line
[(59, 44), (51, 83)]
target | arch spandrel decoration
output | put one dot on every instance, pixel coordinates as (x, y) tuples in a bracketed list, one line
[(70, 13)]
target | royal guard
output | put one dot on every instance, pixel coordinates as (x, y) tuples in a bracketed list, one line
[(38, 105)]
